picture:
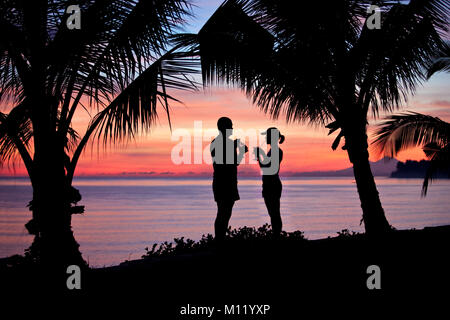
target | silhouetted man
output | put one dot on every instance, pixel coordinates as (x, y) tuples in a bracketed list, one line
[(225, 156)]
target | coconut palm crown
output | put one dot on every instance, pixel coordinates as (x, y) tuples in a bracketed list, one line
[(117, 63)]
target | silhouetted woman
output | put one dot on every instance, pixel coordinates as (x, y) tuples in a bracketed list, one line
[(271, 183)]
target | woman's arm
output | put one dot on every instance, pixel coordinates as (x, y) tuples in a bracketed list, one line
[(262, 158)]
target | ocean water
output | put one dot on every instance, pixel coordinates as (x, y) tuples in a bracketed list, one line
[(123, 216)]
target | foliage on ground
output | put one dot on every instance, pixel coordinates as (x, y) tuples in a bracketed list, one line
[(242, 237)]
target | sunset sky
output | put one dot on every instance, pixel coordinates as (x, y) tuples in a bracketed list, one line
[(306, 148)]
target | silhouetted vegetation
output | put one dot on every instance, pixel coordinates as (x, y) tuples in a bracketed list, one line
[(345, 233), (244, 237)]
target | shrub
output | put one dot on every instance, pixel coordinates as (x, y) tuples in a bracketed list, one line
[(244, 236)]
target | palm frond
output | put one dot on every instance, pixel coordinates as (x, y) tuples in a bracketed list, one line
[(440, 162), (303, 78), (402, 131), (15, 135), (398, 54), (14, 68), (233, 47), (237, 47), (411, 129), (8, 150), (135, 108), (118, 39), (441, 62), (73, 139)]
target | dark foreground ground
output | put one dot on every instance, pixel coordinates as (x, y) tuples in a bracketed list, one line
[(288, 276)]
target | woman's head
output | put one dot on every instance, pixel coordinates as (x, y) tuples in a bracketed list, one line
[(273, 132)]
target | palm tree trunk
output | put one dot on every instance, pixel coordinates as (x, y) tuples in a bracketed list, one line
[(374, 218), (54, 242)]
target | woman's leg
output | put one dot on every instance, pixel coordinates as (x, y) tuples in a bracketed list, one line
[(224, 209), (273, 208)]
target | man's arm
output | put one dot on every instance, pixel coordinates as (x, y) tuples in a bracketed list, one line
[(243, 149)]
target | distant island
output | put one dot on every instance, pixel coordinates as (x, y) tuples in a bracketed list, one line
[(385, 167), (416, 169), (380, 168)]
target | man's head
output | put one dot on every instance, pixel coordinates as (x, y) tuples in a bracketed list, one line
[(225, 126)]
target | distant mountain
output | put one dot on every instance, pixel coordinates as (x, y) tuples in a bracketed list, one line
[(383, 167)]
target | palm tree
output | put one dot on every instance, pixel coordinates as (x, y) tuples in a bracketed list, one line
[(321, 63), (117, 64), (411, 129)]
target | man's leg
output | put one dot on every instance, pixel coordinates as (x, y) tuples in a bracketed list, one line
[(224, 209)]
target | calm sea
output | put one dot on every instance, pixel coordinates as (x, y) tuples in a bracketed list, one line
[(123, 216)]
